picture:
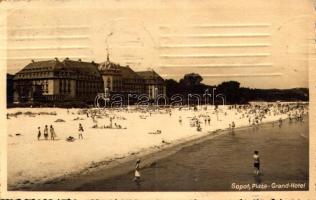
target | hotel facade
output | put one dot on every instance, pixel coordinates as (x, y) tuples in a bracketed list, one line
[(69, 80)]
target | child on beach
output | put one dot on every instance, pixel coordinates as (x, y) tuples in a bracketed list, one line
[(256, 162), (46, 132), (137, 174), (80, 131), (39, 133), (52, 132)]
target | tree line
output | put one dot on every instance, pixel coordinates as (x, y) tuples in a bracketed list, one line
[(234, 94)]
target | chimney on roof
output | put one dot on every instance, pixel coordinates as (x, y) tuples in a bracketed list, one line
[(93, 62), (79, 59), (33, 61), (56, 59), (66, 58)]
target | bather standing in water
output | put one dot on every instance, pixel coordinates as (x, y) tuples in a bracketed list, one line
[(280, 122), (137, 173), (256, 162)]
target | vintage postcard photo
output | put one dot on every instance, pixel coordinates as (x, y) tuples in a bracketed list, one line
[(157, 96)]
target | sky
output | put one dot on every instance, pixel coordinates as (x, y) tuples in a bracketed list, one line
[(260, 43)]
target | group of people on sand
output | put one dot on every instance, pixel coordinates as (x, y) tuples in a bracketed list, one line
[(46, 133), (207, 120), (254, 114), (52, 132)]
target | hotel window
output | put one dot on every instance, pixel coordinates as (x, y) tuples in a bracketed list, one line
[(60, 86), (46, 86), (65, 86), (108, 82), (68, 86)]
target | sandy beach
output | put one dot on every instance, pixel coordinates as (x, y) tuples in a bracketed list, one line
[(109, 151)]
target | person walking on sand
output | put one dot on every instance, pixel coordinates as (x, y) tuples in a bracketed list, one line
[(180, 120), (137, 173), (52, 132), (256, 162), (80, 131), (46, 132), (39, 133)]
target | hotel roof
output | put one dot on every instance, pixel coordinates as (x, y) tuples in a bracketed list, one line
[(80, 67)]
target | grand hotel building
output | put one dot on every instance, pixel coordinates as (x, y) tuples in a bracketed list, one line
[(69, 80)]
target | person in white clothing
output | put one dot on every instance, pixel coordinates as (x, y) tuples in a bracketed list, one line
[(137, 173)]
